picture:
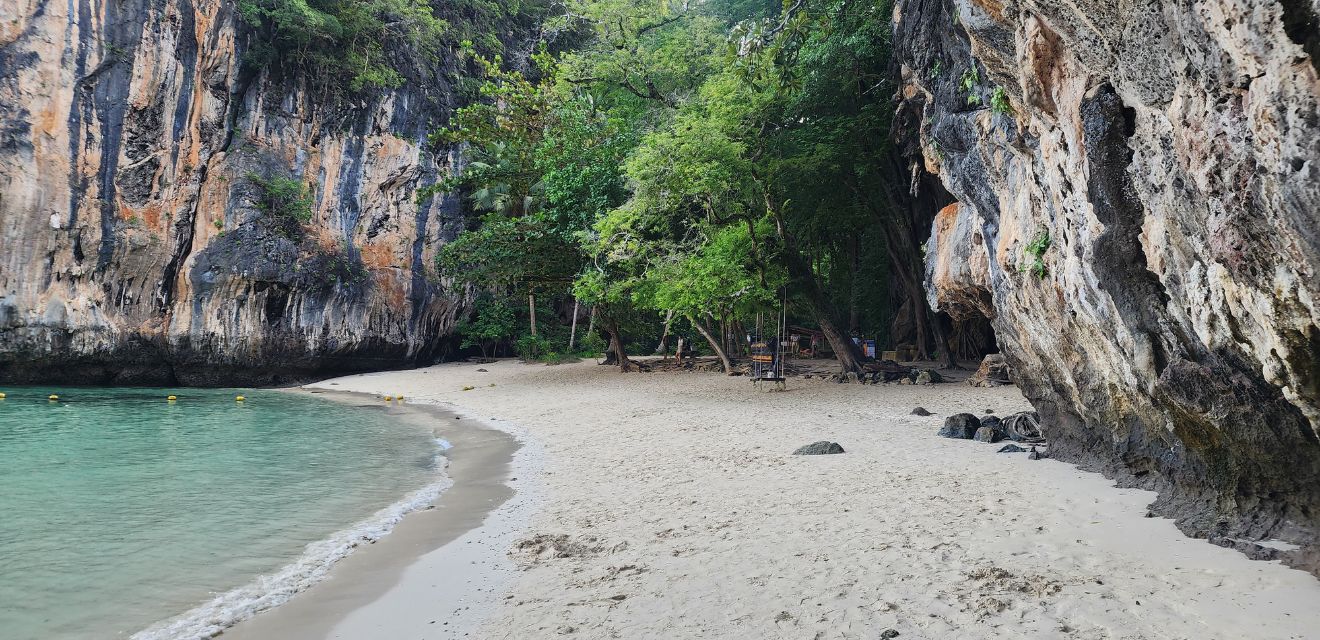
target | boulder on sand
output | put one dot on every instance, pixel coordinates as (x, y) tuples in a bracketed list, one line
[(921, 411), (993, 372), (992, 430), (824, 447), (962, 426), (1011, 448)]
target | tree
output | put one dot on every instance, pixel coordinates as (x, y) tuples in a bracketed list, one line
[(491, 323)]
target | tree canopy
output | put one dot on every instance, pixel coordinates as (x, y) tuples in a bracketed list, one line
[(699, 161)]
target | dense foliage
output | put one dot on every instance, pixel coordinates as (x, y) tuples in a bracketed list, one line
[(351, 46), (692, 166)]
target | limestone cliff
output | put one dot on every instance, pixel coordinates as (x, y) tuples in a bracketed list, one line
[(1138, 212), (132, 247)]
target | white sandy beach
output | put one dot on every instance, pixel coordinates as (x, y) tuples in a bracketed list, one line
[(666, 505)]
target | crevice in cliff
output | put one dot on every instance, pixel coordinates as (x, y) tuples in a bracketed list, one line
[(1302, 25)]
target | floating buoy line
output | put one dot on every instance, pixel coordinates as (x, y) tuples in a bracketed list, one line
[(173, 398), (170, 398)]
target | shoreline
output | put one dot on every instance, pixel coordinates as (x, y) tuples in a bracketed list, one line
[(673, 508), (392, 577)]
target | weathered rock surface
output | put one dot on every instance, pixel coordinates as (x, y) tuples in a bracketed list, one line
[(821, 448), (921, 411), (992, 430), (131, 246), (960, 425), (993, 372), (1138, 213)]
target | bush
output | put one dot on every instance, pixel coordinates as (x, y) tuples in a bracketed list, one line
[(533, 347), (1037, 250), (492, 322), (591, 345), (999, 102), (285, 200)]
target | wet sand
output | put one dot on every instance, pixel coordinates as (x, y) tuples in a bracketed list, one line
[(480, 460)]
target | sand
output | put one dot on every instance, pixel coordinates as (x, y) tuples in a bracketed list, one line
[(667, 505)]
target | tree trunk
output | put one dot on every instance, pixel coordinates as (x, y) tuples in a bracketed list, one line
[(844, 349), (942, 343), (801, 273), (531, 311), (572, 332), (854, 292), (714, 344), (616, 347), (663, 347)]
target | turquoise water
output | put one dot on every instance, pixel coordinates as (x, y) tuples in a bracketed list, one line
[(119, 509)]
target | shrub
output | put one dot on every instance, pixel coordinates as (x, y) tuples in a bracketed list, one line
[(591, 345), (284, 199), (1037, 250), (492, 322), (532, 347), (999, 102), (968, 84)]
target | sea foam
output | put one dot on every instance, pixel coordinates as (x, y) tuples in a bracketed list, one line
[(272, 590)]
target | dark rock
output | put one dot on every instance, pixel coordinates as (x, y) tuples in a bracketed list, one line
[(482, 371), (987, 434), (824, 447), (1010, 448), (1037, 455), (1023, 427), (921, 411), (889, 633), (962, 426)]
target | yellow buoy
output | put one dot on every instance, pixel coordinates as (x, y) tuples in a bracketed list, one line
[(172, 398), (2, 396), (239, 398), (399, 398), (388, 398), (52, 397)]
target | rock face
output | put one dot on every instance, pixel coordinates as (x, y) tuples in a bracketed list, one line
[(132, 248), (1138, 213)]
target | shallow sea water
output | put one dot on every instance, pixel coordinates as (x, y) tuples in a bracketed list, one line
[(120, 510)]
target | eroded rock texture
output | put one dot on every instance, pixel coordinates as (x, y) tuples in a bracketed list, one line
[(1138, 189), (131, 246)]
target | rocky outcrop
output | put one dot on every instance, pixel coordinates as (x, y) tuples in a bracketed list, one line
[(1138, 212), (993, 372), (132, 246)]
